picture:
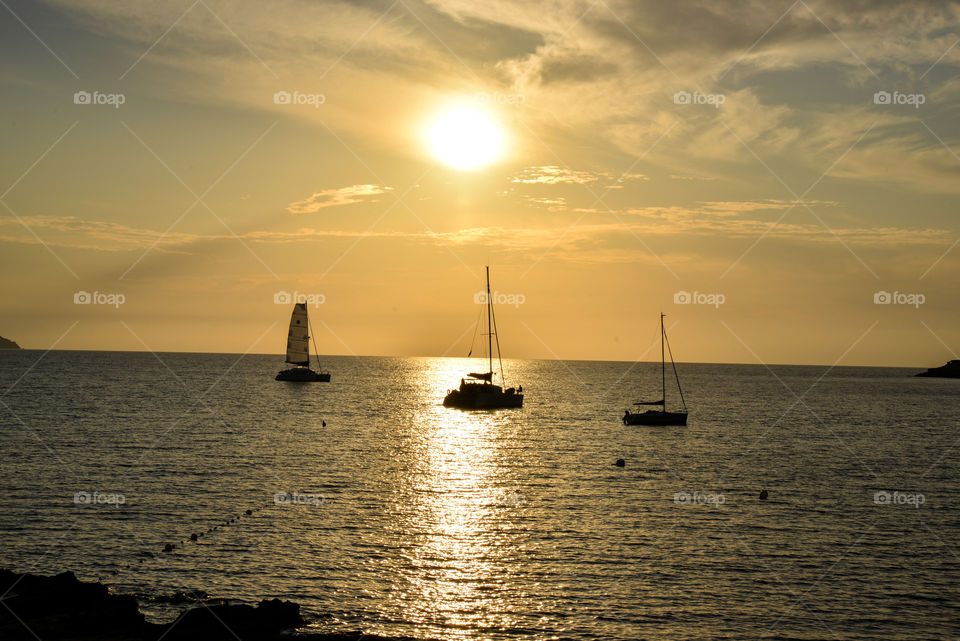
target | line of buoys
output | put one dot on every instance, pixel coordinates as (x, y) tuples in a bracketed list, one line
[(195, 536)]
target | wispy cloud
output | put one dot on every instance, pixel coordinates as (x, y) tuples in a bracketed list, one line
[(555, 175), (335, 198)]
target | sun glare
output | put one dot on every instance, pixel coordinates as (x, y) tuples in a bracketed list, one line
[(465, 138)]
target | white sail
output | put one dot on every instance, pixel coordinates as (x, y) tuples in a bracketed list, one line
[(298, 339)]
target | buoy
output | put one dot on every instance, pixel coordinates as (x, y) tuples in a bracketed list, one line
[(249, 512), (193, 537), (620, 463), (763, 495), (168, 547), (323, 423)]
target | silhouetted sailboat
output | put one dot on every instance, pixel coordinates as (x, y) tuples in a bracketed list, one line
[(477, 391), (661, 416), (298, 350)]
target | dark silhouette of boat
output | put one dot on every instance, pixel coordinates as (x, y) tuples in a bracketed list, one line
[(477, 390), (298, 350), (950, 370), (661, 416)]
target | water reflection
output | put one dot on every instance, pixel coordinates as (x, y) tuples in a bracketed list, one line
[(460, 500)]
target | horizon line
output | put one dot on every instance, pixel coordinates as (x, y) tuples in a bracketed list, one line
[(565, 360)]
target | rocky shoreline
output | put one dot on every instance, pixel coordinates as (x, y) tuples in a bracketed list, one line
[(63, 608)]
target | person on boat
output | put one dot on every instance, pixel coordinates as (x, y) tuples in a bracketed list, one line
[(519, 389), (626, 416)]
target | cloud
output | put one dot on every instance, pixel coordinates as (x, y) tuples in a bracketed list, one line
[(555, 175), (335, 198), (552, 204)]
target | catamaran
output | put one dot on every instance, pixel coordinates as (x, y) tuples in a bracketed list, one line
[(661, 416), (298, 350), (477, 391)]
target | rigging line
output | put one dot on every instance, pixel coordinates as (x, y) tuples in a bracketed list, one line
[(493, 313), (675, 375), (475, 328), (315, 348)]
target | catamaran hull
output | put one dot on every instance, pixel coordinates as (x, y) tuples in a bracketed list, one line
[(656, 418), (303, 375), (482, 401)]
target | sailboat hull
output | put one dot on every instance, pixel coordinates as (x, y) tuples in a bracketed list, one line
[(654, 417), (483, 397), (303, 375)]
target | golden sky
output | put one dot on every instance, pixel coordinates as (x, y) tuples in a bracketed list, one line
[(787, 168)]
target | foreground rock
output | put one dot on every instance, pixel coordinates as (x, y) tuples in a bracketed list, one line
[(950, 370), (62, 608)]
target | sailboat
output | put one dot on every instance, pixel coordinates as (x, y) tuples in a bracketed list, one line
[(298, 350), (477, 390), (660, 416)]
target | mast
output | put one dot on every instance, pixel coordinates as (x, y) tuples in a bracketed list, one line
[(489, 329), (663, 368)]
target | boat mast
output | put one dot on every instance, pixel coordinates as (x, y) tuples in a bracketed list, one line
[(663, 368), (489, 329)]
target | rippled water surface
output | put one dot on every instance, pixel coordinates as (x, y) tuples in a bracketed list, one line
[(415, 519)]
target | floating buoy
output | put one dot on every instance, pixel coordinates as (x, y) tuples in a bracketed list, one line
[(249, 512), (763, 495), (168, 547), (193, 537), (620, 463)]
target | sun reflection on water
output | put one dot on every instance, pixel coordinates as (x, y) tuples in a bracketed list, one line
[(459, 498)]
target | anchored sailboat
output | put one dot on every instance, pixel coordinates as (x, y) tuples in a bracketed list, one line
[(298, 350), (661, 416), (477, 390)]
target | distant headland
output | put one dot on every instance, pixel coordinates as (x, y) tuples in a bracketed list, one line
[(950, 370), (6, 343)]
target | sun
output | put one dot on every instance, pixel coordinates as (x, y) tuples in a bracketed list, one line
[(465, 138)]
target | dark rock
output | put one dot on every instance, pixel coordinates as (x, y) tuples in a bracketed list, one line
[(61, 607), (265, 621), (950, 370), (6, 343)]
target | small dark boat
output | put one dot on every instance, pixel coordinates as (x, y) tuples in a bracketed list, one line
[(298, 350), (477, 391), (661, 416)]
